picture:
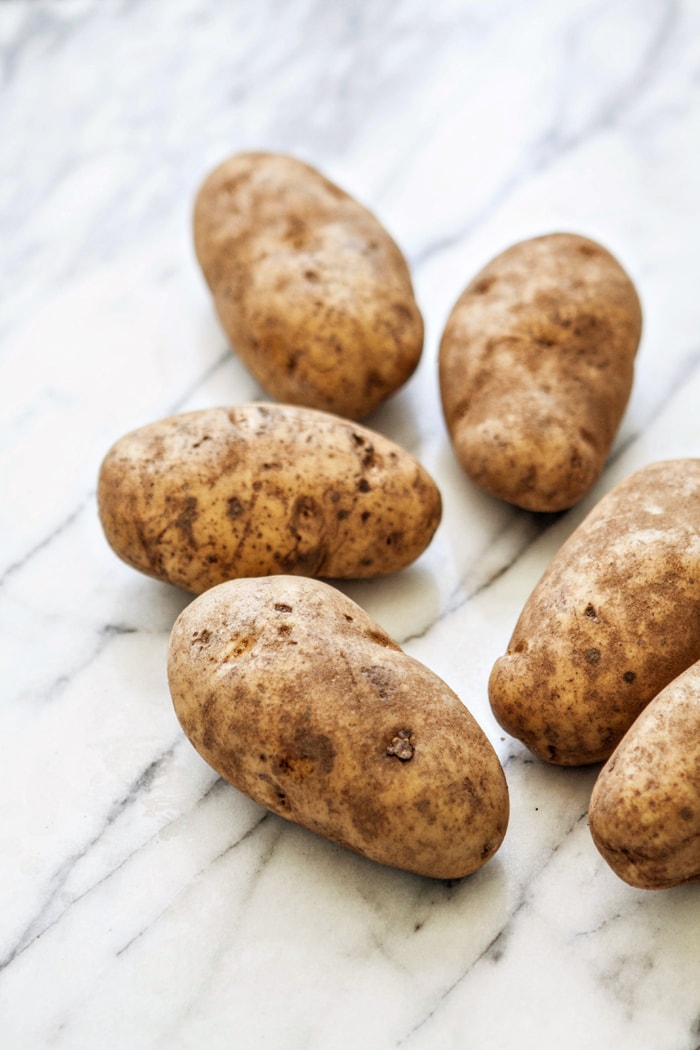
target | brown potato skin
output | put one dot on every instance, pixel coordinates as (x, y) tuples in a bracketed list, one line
[(615, 617), (298, 698), (260, 489), (536, 367), (644, 814), (313, 293)]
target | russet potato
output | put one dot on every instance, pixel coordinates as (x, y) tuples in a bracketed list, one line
[(260, 489), (536, 367), (293, 694), (313, 293), (614, 618), (644, 814)]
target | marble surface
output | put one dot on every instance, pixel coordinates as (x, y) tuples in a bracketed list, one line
[(145, 903)]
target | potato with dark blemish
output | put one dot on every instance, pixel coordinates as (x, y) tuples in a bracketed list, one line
[(615, 617), (261, 489), (536, 368), (644, 814), (313, 293), (293, 694)]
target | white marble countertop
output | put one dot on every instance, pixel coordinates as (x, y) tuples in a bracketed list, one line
[(145, 903)]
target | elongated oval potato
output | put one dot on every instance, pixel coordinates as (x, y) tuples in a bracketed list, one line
[(313, 293), (256, 489), (615, 617), (292, 693), (644, 814), (536, 368)]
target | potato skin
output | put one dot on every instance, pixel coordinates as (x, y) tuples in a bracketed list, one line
[(313, 293), (536, 367), (644, 814), (260, 489), (298, 698), (615, 617)]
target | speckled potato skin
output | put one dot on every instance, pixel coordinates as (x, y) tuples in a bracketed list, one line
[(313, 293), (260, 489), (298, 698), (644, 814), (536, 367), (615, 617)]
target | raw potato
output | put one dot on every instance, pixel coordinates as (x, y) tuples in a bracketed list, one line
[(536, 368), (645, 808), (256, 489), (314, 295), (613, 620), (293, 694)]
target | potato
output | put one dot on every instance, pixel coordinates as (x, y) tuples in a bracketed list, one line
[(615, 617), (262, 489), (294, 695), (536, 368), (314, 295), (644, 814)]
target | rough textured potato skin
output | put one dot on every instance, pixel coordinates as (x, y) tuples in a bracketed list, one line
[(536, 367), (615, 617), (644, 814), (294, 695), (314, 295), (260, 489)]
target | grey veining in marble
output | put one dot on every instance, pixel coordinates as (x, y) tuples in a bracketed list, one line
[(145, 903)]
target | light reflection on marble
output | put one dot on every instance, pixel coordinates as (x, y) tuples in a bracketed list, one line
[(145, 903)]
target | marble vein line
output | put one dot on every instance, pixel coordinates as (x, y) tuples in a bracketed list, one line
[(38, 22), (610, 968), (145, 844), (248, 833), (493, 950), (554, 145), (484, 953), (382, 950), (193, 881), (532, 527), (212, 971), (460, 596), (37, 926), (46, 541), (602, 925), (695, 1031), (106, 634)]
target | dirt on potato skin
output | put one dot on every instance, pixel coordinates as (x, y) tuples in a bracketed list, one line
[(536, 368), (644, 814), (314, 294), (614, 619), (294, 695), (262, 489)]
